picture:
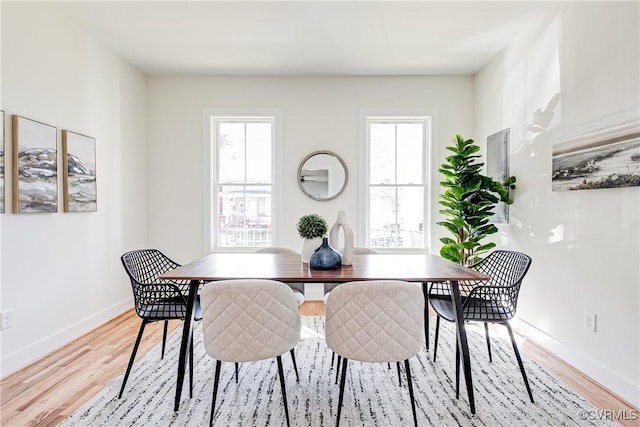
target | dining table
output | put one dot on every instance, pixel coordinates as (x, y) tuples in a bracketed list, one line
[(411, 267)]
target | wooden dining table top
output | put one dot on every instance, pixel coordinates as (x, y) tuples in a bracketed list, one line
[(289, 268)]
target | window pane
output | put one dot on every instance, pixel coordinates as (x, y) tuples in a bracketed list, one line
[(411, 217), (231, 152), (409, 152), (382, 218), (258, 209), (382, 153), (244, 218), (230, 215), (259, 152)]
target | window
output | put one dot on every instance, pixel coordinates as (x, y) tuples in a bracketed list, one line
[(395, 184), (242, 175)]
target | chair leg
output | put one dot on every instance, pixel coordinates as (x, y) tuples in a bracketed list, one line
[(410, 385), (216, 380), (486, 334), (295, 366), (284, 392), (425, 292), (191, 368), (435, 340), (164, 337), (133, 356), (399, 377), (236, 372), (342, 381), (388, 365), (338, 368), (457, 370), (333, 356), (515, 349)]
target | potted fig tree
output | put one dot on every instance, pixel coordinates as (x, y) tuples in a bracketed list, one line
[(469, 201)]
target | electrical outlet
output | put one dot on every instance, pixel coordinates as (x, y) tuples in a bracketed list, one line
[(590, 321), (7, 319)]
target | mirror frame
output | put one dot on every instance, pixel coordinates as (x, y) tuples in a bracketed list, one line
[(344, 166)]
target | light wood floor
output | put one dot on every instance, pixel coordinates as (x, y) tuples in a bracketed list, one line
[(47, 391)]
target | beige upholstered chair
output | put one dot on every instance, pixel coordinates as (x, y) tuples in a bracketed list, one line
[(297, 287), (298, 291), (249, 320), (375, 321), (328, 287)]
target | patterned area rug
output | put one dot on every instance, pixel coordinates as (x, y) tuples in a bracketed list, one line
[(372, 394)]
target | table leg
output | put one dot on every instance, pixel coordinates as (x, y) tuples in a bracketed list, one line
[(425, 291), (462, 341), (186, 341)]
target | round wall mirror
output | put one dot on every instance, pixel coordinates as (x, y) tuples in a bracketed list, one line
[(322, 175)]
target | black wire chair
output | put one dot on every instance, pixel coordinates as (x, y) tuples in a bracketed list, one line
[(492, 301), (156, 299)]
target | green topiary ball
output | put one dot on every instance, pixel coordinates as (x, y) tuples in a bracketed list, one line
[(312, 225)]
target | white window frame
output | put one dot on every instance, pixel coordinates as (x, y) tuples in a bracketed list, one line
[(367, 115), (210, 151)]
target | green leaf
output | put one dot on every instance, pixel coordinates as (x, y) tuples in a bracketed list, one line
[(447, 241), (447, 173), (455, 191), (468, 245), (448, 204), (450, 212), (510, 182), (486, 247), (470, 149), (449, 226), (451, 253), (487, 229)]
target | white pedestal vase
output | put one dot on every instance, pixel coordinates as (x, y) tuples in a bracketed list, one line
[(334, 238), (309, 246)]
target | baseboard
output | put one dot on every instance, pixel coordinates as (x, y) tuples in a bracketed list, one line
[(601, 374), (27, 355)]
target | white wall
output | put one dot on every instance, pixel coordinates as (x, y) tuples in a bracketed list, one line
[(1, 108), (318, 113), (584, 244), (61, 272)]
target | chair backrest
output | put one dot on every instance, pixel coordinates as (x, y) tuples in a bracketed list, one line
[(360, 250), (154, 297), (246, 320), (375, 321), (276, 250), (505, 268), (497, 298), (145, 265)]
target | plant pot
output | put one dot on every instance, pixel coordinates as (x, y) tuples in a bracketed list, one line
[(309, 246)]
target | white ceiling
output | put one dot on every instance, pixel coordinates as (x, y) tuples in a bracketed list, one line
[(306, 38)]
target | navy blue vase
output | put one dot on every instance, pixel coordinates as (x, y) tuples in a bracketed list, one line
[(325, 257)]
